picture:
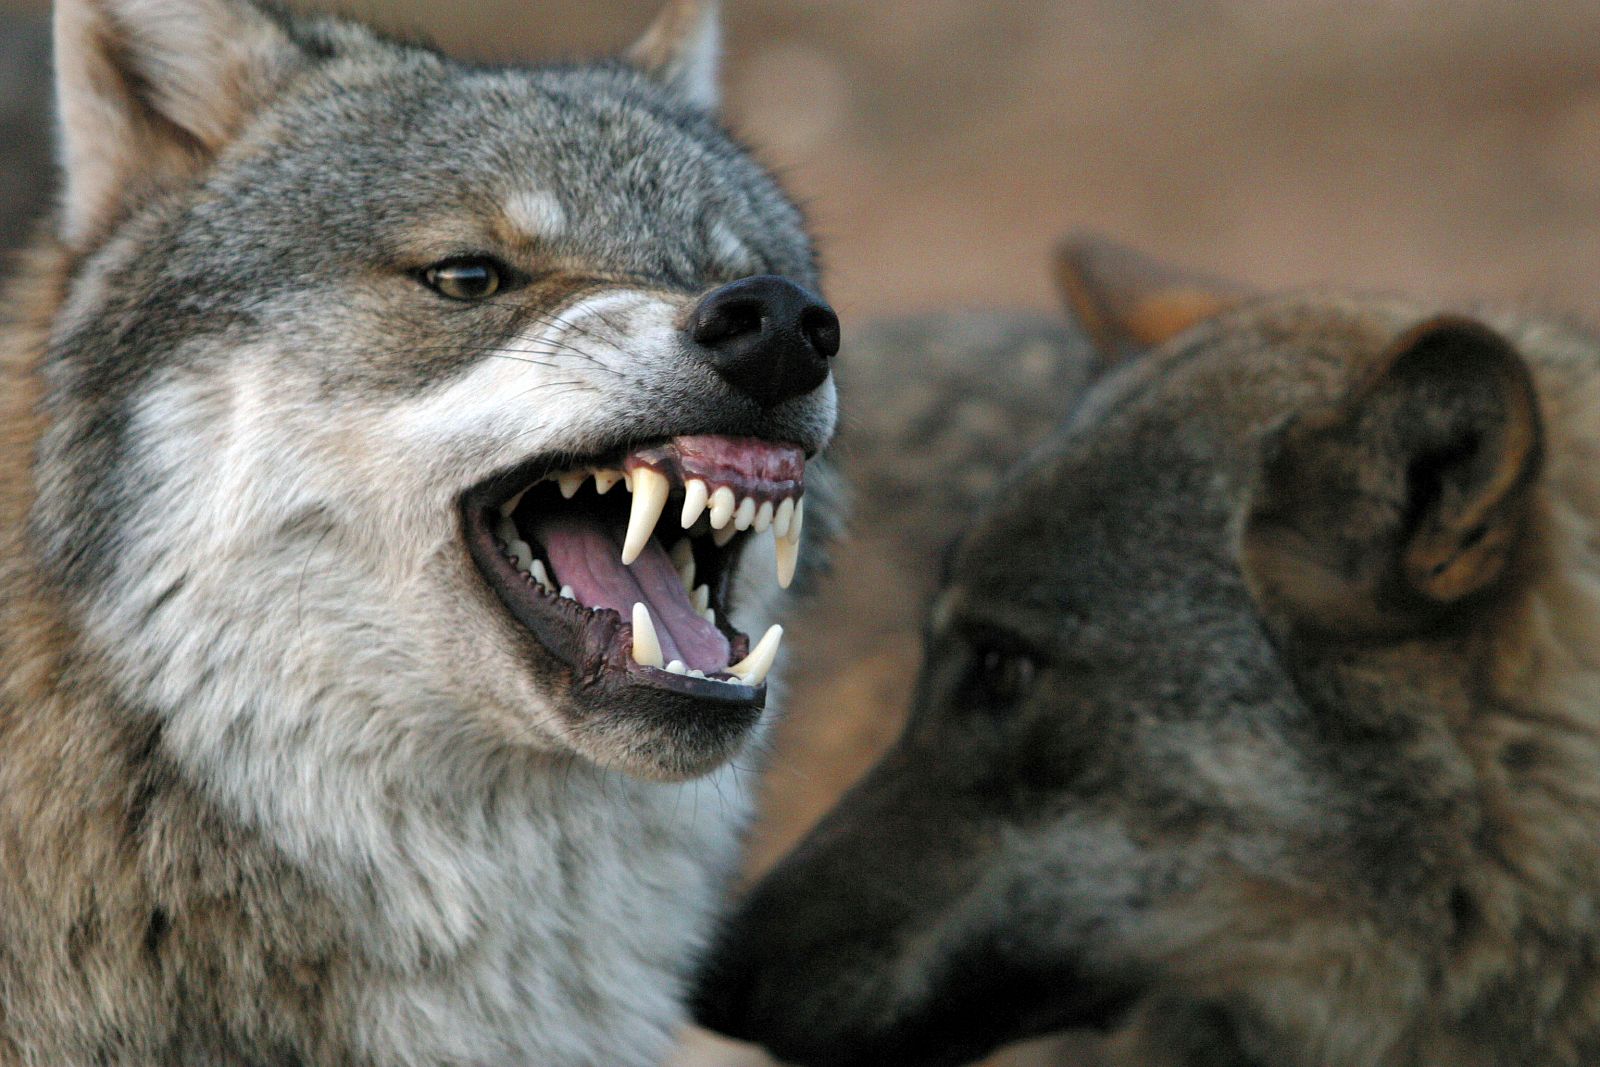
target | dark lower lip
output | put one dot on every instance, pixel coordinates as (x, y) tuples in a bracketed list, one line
[(588, 642)]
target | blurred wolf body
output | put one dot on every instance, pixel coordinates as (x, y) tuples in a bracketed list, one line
[(296, 764), (1259, 721)]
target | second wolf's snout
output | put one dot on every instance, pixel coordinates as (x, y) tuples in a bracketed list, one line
[(766, 336)]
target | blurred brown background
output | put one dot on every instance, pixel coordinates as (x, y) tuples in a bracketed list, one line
[(1439, 146)]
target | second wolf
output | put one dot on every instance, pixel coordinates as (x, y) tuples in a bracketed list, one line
[(1259, 720)]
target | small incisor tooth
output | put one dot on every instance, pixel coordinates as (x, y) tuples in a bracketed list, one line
[(572, 482), (683, 562), (785, 516), (763, 517), (745, 515), (788, 553), (722, 507), (650, 492), (754, 668), (646, 645), (604, 480), (695, 495)]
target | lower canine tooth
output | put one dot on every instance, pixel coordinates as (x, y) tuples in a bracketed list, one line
[(650, 492), (754, 668), (646, 645), (788, 553), (722, 507), (702, 598)]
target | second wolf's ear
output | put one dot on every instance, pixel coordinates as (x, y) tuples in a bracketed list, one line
[(1376, 516), (148, 90), (1130, 303), (683, 50)]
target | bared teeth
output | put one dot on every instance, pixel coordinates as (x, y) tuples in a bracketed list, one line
[(745, 515), (605, 480), (646, 645), (683, 562), (763, 520), (695, 496), (677, 666), (788, 556), (754, 668), (783, 517), (571, 482), (650, 492), (567, 593), (723, 505), (541, 576)]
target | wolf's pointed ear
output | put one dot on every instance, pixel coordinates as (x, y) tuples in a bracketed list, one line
[(1128, 302), (683, 50), (1377, 515), (148, 90)]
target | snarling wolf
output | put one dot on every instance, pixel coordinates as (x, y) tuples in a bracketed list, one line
[(346, 717), (1259, 721)]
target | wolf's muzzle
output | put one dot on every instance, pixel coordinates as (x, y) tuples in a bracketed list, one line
[(766, 336)]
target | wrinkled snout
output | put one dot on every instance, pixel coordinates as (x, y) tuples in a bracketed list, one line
[(766, 336)]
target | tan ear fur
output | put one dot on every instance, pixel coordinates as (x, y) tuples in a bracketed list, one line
[(1130, 303), (148, 90), (1379, 514), (683, 49)]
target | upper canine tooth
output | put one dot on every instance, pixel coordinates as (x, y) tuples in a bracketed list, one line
[(785, 515), (763, 517), (754, 668), (650, 492), (604, 480), (788, 553), (683, 561), (572, 482), (695, 495), (646, 645), (745, 515), (722, 506)]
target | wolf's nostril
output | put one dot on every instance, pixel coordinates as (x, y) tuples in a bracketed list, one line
[(821, 327), (766, 336)]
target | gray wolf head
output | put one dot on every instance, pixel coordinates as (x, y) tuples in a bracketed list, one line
[(1258, 718), (352, 340)]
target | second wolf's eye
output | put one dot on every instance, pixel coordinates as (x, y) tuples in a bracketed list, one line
[(467, 278), (1000, 678)]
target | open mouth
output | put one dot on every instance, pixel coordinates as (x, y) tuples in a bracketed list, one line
[(636, 582)]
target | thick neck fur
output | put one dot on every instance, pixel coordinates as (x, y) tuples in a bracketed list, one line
[(218, 885)]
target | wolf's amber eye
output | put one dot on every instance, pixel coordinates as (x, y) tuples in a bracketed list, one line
[(467, 278), (999, 678)]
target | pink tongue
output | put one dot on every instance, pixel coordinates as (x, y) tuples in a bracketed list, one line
[(587, 555)]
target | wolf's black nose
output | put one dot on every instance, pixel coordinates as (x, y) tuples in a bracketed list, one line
[(768, 337)]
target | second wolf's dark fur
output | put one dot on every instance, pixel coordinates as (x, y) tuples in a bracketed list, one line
[(1258, 719)]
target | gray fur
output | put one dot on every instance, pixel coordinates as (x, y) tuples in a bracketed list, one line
[(281, 781)]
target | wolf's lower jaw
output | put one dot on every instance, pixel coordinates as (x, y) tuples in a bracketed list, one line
[(592, 577)]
